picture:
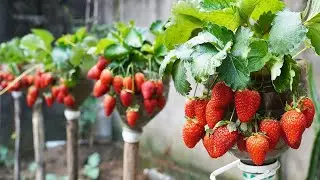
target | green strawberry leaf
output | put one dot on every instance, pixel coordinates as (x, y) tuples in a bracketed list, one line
[(45, 35), (115, 51), (32, 42), (221, 34), (312, 11), (258, 55), (103, 44), (287, 33), (157, 27), (179, 78), (284, 82), (264, 24), (80, 34), (242, 42), (234, 72), (275, 64), (314, 35), (205, 59), (255, 8), (60, 57), (133, 38), (216, 4)]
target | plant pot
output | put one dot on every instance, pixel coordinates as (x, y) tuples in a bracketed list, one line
[(81, 91)]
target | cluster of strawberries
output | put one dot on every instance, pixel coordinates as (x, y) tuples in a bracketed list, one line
[(39, 82), (126, 87), (221, 135)]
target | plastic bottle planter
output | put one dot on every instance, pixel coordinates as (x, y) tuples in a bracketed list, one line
[(81, 91)]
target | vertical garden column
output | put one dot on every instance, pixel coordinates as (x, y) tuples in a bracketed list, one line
[(17, 111), (72, 117), (131, 153), (38, 139)]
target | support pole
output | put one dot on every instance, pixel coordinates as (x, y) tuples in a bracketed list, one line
[(17, 111), (38, 139), (131, 153), (72, 117)]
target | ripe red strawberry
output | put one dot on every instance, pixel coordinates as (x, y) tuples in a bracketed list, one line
[(117, 84), (9, 77), (31, 100), (102, 63), (63, 89), (150, 105), (222, 95), (55, 91), (29, 79), (126, 97), (33, 91), (46, 79), (37, 81), (189, 108), (307, 108), (69, 100), (241, 143), (220, 141), (213, 113), (148, 88), (4, 84), (139, 80), (94, 73), (60, 97), (132, 116), (192, 133), (49, 99), (106, 77), (159, 87), (257, 147), (109, 103), (100, 89), (200, 110), (161, 102), (272, 129), (293, 124), (15, 87), (247, 103), (127, 83)]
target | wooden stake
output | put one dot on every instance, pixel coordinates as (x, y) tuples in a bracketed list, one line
[(38, 139), (72, 143), (130, 160), (17, 111)]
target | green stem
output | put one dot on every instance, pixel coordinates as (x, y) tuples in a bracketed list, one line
[(296, 55), (195, 90), (231, 117)]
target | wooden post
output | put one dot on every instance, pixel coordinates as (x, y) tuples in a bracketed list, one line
[(131, 153), (38, 139), (17, 111), (72, 142)]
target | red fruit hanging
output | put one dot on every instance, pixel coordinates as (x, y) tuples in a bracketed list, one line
[(49, 99), (109, 104), (272, 130), (293, 124), (241, 143), (161, 102), (102, 63), (159, 87), (247, 103), (150, 105), (127, 83), (307, 108), (100, 89), (139, 80), (33, 91), (46, 79), (192, 133), (60, 97), (69, 101), (55, 91), (257, 147), (106, 77), (117, 84), (220, 141), (222, 95), (200, 110), (31, 100), (126, 97), (148, 88), (63, 89), (37, 81), (94, 73), (213, 113), (189, 108), (132, 116)]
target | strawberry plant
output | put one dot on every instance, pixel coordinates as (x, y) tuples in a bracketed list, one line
[(127, 72), (244, 55)]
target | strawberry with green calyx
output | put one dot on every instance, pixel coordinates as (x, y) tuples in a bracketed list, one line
[(192, 133), (161, 102), (106, 77), (222, 95), (46, 80), (49, 99), (69, 101), (293, 124), (148, 89), (94, 73), (132, 114), (306, 106), (272, 130), (220, 140), (100, 89), (102, 63), (37, 81), (139, 79), (55, 91), (117, 84), (63, 89), (200, 110), (150, 105), (159, 87), (247, 103), (109, 104), (32, 95), (126, 97), (189, 111), (214, 113), (128, 83), (241, 143), (257, 146)]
